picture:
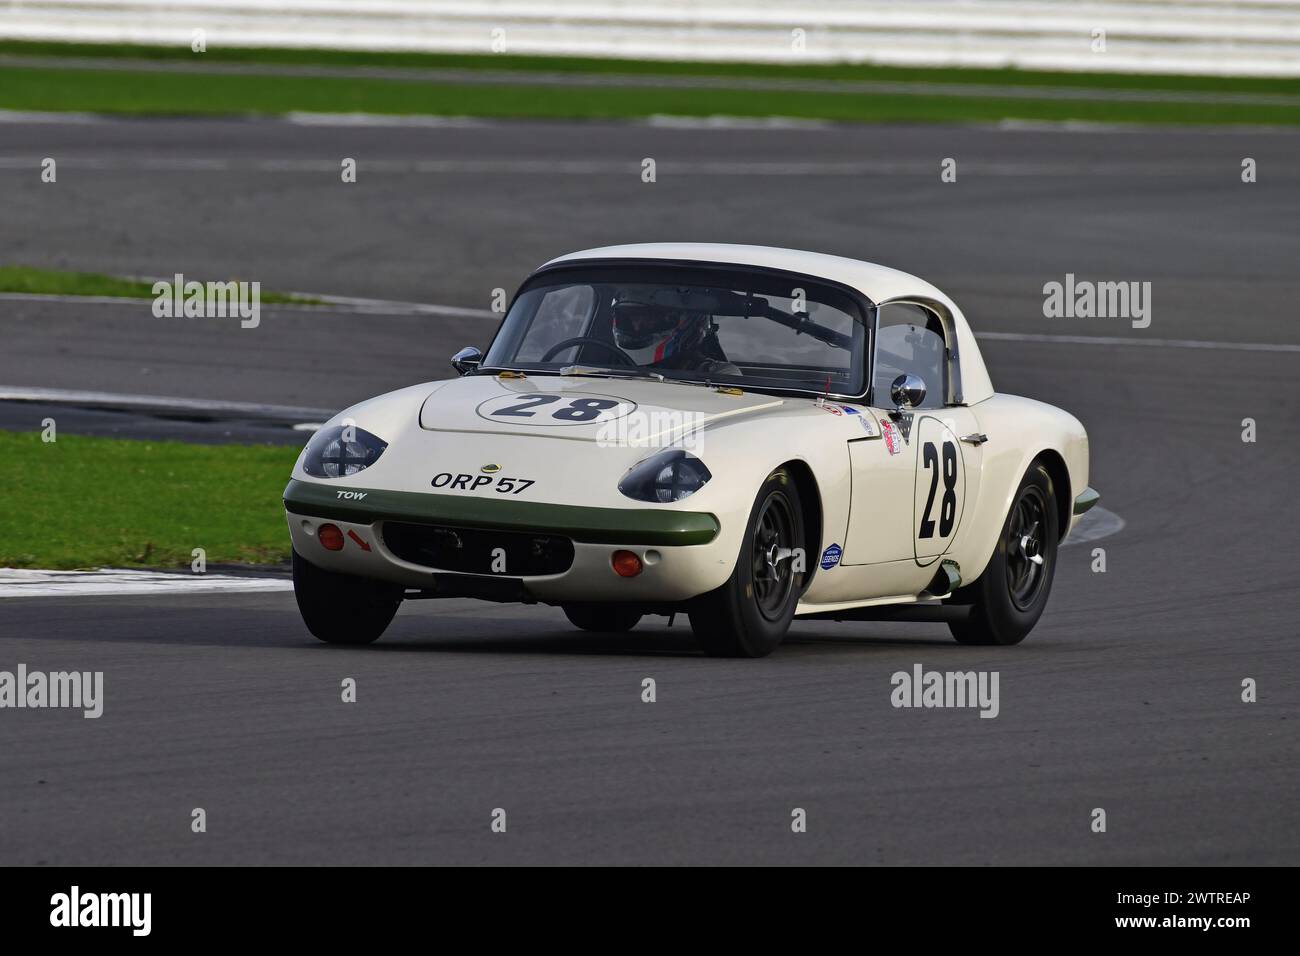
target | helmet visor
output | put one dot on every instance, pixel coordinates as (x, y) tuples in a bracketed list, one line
[(640, 324)]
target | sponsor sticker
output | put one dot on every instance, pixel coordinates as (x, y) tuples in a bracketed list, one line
[(863, 420), (831, 557), (893, 440), (843, 410)]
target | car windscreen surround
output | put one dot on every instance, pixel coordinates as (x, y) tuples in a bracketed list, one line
[(789, 376)]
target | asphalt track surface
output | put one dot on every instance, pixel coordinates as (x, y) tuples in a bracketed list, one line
[(1127, 696)]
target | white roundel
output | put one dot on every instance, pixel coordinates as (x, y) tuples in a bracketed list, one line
[(940, 491), (552, 409)]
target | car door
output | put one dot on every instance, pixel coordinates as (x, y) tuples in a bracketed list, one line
[(948, 456), (911, 487)]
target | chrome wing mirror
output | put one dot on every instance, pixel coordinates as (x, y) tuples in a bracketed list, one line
[(469, 358), (908, 391)]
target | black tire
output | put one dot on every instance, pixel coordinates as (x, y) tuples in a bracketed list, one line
[(750, 614), (602, 618), (343, 608), (1009, 597)]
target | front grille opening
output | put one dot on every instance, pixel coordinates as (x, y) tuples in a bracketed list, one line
[(470, 550)]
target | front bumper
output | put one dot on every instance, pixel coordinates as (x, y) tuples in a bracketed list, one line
[(683, 553), (594, 525)]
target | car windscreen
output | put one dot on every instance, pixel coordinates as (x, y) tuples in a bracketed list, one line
[(748, 328)]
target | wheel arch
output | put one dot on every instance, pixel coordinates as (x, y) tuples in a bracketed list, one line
[(1001, 479), (810, 504), (1059, 472)]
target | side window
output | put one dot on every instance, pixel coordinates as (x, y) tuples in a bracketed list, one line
[(909, 341)]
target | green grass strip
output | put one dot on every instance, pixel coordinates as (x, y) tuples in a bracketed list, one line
[(194, 94), (593, 65), (24, 279), (83, 502)]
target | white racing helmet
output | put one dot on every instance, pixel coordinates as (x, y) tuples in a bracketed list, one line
[(652, 324)]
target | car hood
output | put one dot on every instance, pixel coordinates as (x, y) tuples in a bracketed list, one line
[(583, 408)]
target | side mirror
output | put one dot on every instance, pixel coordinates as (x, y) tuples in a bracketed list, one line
[(908, 391), (467, 360)]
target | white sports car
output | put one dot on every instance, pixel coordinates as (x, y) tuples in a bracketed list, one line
[(742, 434)]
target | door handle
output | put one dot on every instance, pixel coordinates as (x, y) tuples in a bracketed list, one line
[(975, 439)]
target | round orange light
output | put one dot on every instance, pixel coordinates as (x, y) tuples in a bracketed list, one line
[(331, 538), (626, 564)]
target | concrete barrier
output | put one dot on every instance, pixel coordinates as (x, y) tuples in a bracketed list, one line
[(1251, 37)]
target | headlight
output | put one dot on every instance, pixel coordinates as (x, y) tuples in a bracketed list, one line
[(671, 475), (341, 451)]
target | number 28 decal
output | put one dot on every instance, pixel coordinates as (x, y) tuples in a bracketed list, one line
[(947, 469), (554, 409)]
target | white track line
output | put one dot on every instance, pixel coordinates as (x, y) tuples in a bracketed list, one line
[(340, 304), (71, 299), (721, 121), (394, 307), (400, 120), (21, 582), (1136, 340), (62, 396)]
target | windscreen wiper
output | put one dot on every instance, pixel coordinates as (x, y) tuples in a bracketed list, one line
[(595, 370)]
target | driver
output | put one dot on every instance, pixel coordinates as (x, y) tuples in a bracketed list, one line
[(663, 329)]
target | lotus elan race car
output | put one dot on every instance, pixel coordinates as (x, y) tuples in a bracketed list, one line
[(742, 434)]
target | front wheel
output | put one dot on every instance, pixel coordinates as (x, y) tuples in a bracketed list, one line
[(749, 615), (343, 608), (1011, 594)]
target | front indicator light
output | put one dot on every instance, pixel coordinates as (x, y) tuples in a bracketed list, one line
[(625, 564), (330, 537)]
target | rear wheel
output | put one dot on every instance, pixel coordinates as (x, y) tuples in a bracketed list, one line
[(343, 608), (603, 618), (1011, 594), (750, 614)]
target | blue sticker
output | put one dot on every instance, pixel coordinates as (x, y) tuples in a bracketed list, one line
[(851, 410), (831, 557)]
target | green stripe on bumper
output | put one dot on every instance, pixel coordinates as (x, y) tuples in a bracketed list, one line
[(592, 525), (1086, 500)]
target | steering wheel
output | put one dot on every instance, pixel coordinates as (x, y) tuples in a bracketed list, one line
[(588, 340)]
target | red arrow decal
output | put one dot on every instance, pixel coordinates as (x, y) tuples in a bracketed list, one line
[(358, 539)]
